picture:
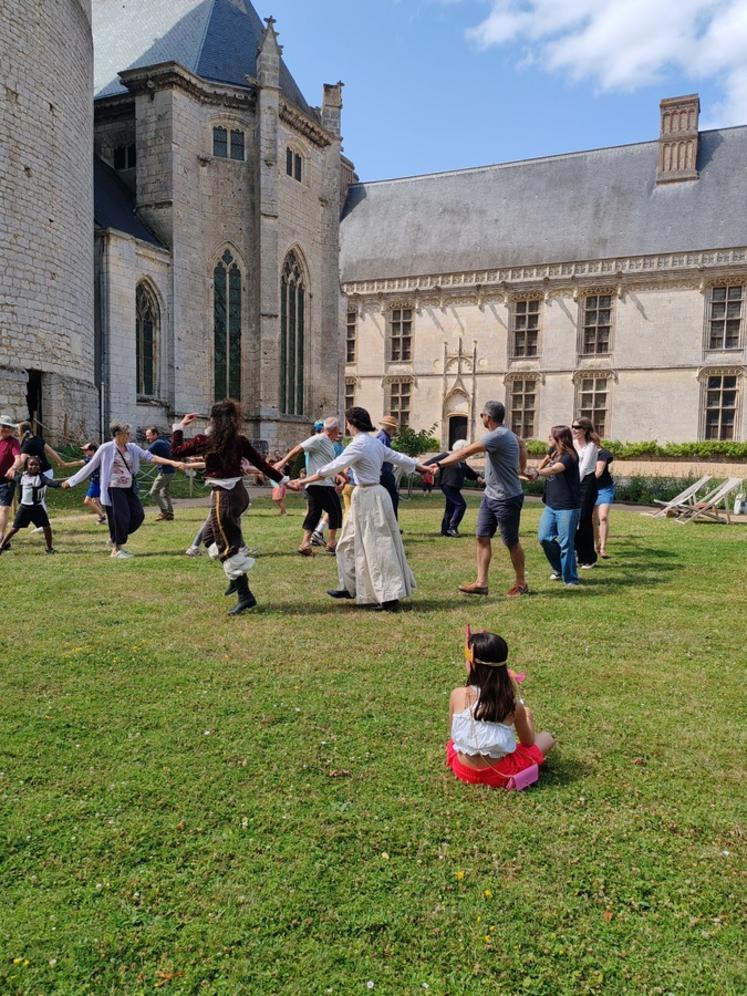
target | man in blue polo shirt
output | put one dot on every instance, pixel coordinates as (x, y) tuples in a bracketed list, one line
[(161, 490)]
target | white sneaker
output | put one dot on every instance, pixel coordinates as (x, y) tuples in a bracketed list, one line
[(122, 555), (193, 551), (572, 585), (586, 567), (39, 529), (554, 576)]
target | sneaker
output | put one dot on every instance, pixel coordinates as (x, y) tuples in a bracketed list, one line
[(572, 585), (517, 591), (555, 576), (193, 551), (101, 520), (452, 533), (39, 529), (122, 555), (317, 539), (473, 588), (586, 567)]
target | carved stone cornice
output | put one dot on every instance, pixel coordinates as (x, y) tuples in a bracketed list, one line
[(561, 279), (305, 125), (395, 378), (721, 370), (537, 376), (172, 75), (594, 371)]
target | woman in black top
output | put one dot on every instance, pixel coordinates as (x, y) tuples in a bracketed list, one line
[(605, 497), (562, 498)]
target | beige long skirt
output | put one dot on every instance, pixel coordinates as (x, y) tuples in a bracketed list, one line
[(371, 561)]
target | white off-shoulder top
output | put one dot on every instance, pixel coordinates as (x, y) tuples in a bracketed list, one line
[(473, 736)]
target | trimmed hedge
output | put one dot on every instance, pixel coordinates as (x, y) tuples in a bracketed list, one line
[(716, 450)]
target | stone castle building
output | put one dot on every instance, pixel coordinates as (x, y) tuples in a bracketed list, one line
[(208, 261), (609, 283), (47, 351), (217, 195)]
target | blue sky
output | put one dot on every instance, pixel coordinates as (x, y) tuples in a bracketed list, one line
[(435, 85)]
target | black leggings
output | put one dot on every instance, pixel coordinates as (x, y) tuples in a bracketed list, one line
[(125, 514), (323, 498)]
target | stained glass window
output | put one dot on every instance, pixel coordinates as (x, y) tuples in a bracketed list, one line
[(292, 318), (227, 328)]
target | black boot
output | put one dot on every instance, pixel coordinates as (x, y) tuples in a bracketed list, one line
[(246, 599), (232, 588)]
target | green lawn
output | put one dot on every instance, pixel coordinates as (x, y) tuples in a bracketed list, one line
[(260, 805)]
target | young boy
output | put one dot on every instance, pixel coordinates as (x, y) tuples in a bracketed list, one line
[(31, 507), (93, 495)]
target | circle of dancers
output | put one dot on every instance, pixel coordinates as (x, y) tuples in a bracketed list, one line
[(492, 739)]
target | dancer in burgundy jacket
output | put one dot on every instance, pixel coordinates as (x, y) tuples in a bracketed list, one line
[(224, 447)]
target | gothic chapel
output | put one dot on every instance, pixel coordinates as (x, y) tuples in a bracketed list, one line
[(217, 205)]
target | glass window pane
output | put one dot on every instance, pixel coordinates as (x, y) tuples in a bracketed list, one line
[(735, 294), (298, 167), (220, 142), (219, 332), (719, 294), (237, 145)]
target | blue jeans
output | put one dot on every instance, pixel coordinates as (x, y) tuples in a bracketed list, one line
[(557, 535), (456, 506)]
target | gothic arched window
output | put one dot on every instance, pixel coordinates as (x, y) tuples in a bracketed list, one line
[(292, 308), (227, 328), (146, 336)]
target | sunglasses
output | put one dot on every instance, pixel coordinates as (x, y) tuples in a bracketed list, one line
[(577, 427)]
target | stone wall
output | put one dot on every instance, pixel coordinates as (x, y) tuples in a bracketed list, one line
[(655, 367), (46, 205)]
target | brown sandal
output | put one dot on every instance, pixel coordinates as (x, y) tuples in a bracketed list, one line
[(331, 549), (306, 551)]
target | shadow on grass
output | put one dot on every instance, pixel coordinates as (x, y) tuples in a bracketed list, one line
[(559, 770)]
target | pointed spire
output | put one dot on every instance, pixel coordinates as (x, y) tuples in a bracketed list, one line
[(269, 51)]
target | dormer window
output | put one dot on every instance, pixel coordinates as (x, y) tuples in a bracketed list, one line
[(125, 157), (228, 144), (293, 164)]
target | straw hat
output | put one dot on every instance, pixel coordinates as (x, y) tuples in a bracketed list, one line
[(389, 422)]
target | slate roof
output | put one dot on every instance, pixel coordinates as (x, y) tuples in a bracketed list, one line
[(586, 205), (215, 39), (114, 205)]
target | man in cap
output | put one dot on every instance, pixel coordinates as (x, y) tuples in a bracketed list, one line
[(10, 460), (388, 428)]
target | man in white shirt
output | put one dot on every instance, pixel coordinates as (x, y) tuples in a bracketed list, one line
[(319, 450)]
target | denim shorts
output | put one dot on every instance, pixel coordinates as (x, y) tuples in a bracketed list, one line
[(605, 496), (500, 513), (94, 490), (7, 488)]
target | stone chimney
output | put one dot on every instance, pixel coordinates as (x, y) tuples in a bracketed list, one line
[(332, 107), (678, 139)]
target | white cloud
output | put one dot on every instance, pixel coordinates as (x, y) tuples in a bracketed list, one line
[(626, 44)]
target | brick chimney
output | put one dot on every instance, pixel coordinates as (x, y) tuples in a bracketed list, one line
[(678, 139)]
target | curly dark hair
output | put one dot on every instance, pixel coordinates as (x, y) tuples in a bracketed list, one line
[(226, 420), (497, 699), (359, 418)]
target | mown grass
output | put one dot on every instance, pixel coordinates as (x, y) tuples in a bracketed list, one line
[(260, 805)]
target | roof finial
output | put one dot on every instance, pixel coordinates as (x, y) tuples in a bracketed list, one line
[(268, 55)]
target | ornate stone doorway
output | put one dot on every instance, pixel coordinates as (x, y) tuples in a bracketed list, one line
[(457, 428)]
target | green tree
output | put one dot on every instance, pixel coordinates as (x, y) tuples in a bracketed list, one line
[(414, 443)]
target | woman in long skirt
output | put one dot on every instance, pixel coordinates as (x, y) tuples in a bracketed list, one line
[(371, 561)]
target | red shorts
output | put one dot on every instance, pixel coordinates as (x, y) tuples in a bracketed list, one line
[(499, 772)]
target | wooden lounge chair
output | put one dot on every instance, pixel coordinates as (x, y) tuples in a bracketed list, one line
[(708, 506), (683, 501)]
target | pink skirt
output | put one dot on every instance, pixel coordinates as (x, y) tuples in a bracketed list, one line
[(499, 772), (279, 492)]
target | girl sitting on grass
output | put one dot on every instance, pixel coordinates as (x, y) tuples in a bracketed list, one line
[(486, 718)]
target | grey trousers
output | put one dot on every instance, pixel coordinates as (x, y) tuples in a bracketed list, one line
[(160, 491)]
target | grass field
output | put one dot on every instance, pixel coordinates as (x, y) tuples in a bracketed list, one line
[(260, 805)]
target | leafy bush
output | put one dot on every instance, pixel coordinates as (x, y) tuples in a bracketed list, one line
[(705, 450)]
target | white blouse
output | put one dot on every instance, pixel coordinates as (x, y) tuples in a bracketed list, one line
[(587, 458), (365, 455), (476, 736)]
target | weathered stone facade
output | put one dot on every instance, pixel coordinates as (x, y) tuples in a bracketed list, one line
[(200, 206), (611, 283), (47, 354)]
